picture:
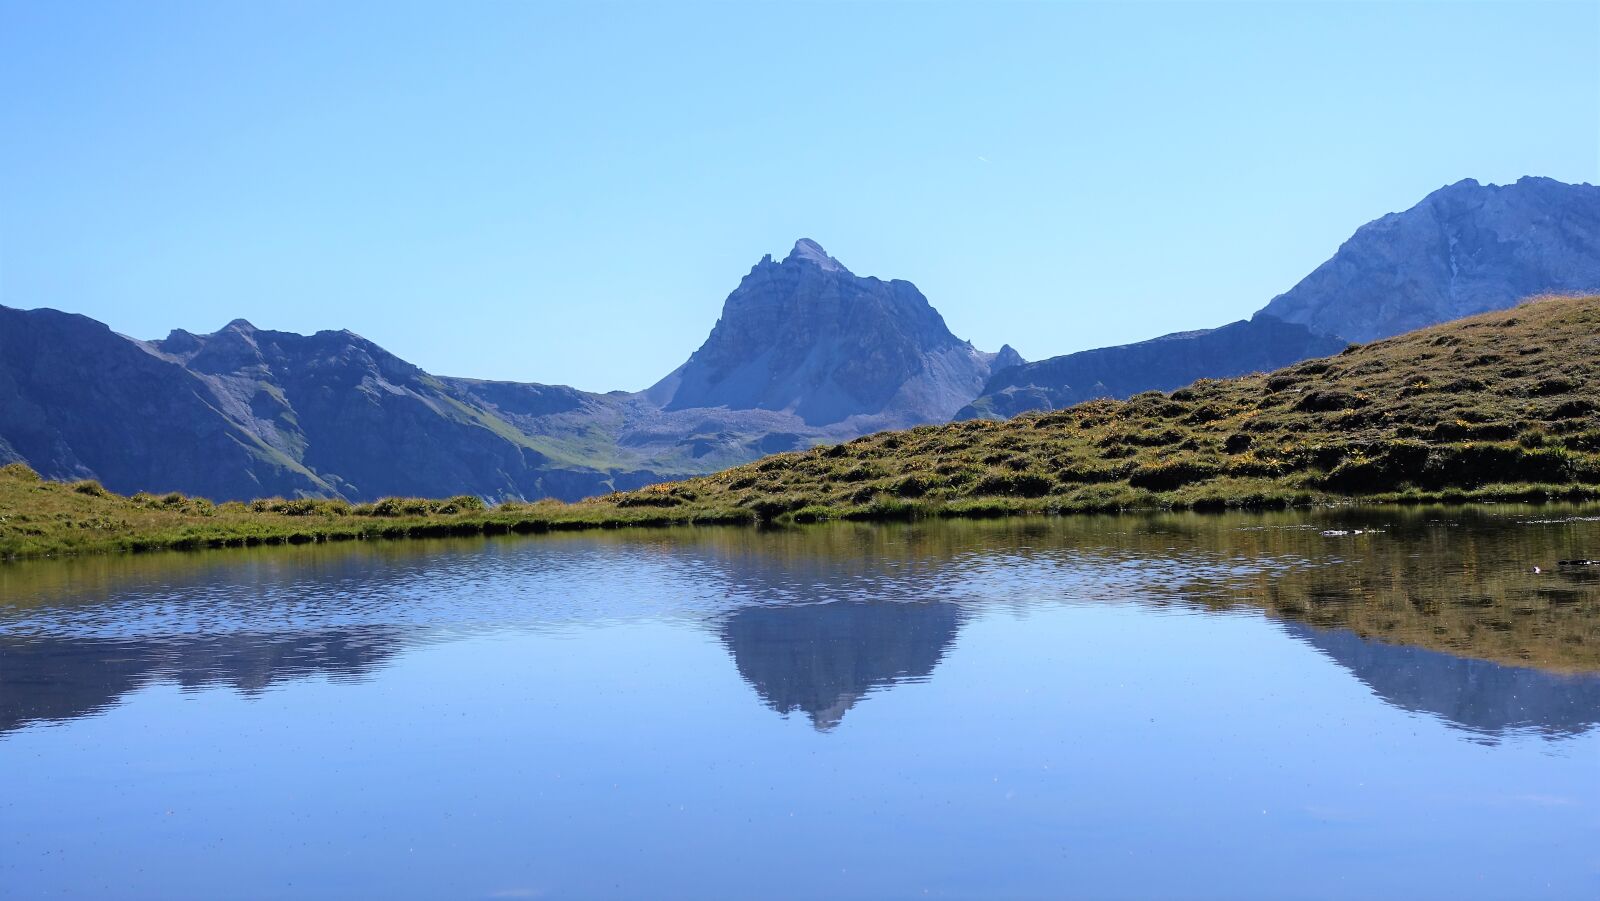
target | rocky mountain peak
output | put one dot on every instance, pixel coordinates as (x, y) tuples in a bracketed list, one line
[(809, 337), (810, 252)]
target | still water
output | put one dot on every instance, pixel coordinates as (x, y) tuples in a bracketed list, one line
[(1165, 706)]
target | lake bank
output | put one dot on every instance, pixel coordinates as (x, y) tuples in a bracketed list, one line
[(41, 518)]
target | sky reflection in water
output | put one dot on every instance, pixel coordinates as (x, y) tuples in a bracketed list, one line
[(1173, 705)]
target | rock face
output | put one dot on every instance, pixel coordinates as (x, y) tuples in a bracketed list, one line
[(1260, 344), (805, 352), (1465, 249), (807, 336)]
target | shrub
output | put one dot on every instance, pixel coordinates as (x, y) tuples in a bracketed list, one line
[(813, 513), (1551, 386), (22, 472), (1470, 465), (1017, 484), (1166, 476), (90, 487), (884, 507), (1328, 401), (396, 506), (1531, 438), (916, 485), (1571, 409), (768, 509), (651, 499), (461, 503)]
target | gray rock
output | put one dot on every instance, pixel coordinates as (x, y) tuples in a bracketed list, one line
[(1465, 249), (807, 336)]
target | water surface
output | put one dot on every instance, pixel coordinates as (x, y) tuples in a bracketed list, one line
[(1332, 704)]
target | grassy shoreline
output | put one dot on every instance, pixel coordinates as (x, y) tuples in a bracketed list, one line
[(41, 518)]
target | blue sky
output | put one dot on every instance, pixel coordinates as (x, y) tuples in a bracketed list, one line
[(567, 193)]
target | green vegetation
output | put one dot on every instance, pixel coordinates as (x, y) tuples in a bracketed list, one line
[(1496, 407), (42, 518)]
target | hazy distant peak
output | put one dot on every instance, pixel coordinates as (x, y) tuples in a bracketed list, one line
[(808, 251)]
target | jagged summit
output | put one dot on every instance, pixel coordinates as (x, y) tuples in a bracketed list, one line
[(808, 251), (809, 337)]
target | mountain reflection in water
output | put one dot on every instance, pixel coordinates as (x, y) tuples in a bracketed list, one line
[(1439, 612), (1485, 698), (823, 658)]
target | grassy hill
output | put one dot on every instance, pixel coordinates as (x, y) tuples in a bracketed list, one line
[(1498, 406)]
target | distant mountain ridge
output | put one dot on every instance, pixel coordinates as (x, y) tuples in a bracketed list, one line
[(1261, 344), (1467, 248), (1464, 249), (806, 352)]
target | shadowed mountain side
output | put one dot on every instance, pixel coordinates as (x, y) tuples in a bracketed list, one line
[(1261, 344), (1475, 695), (806, 353), (80, 401), (246, 413), (61, 678), (823, 658)]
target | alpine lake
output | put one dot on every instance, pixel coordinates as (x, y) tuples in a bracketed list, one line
[(1355, 702)]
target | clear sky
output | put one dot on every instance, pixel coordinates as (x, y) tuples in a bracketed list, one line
[(567, 193)]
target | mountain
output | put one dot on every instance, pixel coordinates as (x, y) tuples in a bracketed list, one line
[(807, 336), (78, 401), (805, 353), (1501, 405), (822, 659), (246, 412), (1465, 249), (1260, 344)]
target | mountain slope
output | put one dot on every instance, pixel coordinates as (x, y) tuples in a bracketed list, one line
[(1500, 406), (1465, 249), (809, 337), (246, 413), (79, 401), (805, 353), (1160, 364), (1502, 399)]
